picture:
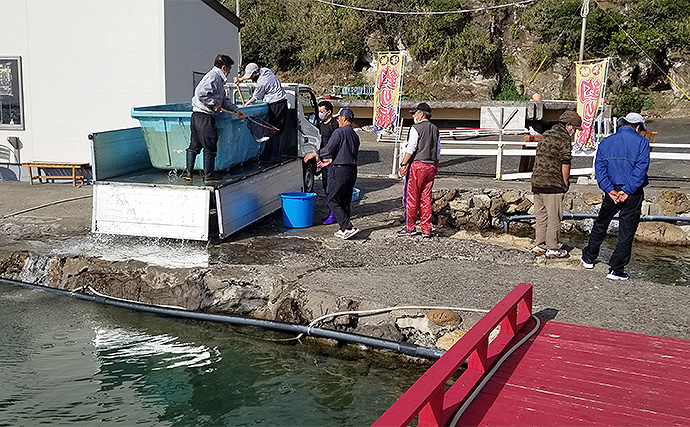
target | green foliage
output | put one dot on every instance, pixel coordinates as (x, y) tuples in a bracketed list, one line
[(469, 50), (628, 99), (507, 90), (515, 30)]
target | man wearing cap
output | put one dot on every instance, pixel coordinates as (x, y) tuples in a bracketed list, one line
[(419, 165), (268, 89), (621, 165), (208, 101), (341, 154), (550, 181)]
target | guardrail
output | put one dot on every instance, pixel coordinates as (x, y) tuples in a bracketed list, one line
[(428, 397)]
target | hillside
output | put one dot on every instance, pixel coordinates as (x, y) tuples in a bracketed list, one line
[(483, 54)]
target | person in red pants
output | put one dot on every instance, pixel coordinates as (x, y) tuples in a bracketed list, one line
[(419, 166)]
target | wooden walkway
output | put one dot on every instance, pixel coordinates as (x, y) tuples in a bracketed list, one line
[(563, 375), (569, 375)]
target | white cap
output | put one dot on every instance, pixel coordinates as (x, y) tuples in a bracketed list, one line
[(250, 69), (635, 119)]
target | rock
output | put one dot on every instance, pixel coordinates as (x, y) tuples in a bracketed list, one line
[(441, 200), (459, 205), (661, 233), (289, 311), (442, 317), (420, 324), (449, 339), (511, 196), (385, 330), (498, 207), (592, 198), (481, 201), (673, 202)]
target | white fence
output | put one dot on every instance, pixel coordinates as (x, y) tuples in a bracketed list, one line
[(453, 144)]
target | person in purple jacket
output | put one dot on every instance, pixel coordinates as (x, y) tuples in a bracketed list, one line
[(621, 165)]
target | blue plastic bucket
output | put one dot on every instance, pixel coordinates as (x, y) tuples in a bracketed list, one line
[(298, 209), (355, 194)]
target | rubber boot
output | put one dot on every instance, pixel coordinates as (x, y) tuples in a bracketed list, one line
[(330, 220), (210, 175), (189, 170)]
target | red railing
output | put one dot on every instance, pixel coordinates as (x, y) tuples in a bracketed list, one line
[(428, 397)]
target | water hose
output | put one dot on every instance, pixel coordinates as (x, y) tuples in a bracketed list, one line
[(507, 220), (46, 205), (291, 328)]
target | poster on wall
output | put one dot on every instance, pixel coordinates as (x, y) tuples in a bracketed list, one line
[(389, 80), (11, 103), (5, 79), (591, 87)]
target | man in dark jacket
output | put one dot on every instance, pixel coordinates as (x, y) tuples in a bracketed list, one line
[(341, 154), (621, 166), (327, 127), (550, 181), (422, 152)]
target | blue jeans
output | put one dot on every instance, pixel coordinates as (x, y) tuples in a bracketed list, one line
[(628, 220)]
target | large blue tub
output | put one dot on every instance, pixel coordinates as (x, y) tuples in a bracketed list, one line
[(167, 131)]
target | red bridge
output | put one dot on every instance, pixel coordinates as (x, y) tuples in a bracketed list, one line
[(562, 375)]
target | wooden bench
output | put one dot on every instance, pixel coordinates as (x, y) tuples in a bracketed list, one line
[(77, 171)]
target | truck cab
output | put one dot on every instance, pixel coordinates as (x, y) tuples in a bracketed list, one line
[(302, 133)]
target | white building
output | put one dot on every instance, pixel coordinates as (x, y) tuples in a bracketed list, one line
[(72, 67)]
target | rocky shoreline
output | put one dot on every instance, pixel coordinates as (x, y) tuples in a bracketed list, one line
[(298, 275)]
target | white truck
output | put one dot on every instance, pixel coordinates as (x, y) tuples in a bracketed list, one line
[(131, 197)]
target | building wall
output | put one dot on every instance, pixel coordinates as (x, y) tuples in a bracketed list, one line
[(194, 35), (86, 63)]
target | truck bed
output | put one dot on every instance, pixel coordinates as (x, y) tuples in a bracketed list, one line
[(133, 198)]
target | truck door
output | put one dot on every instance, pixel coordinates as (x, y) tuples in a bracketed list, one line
[(309, 137)]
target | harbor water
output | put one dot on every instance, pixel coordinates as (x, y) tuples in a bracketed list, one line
[(65, 361)]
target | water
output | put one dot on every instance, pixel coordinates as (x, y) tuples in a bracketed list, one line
[(668, 265), (65, 361)]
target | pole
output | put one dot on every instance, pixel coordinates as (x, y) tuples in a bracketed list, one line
[(239, 39), (584, 12)]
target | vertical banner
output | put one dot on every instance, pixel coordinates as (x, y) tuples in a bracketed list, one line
[(389, 76), (591, 80)]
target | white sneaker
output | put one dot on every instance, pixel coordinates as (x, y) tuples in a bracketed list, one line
[(587, 265), (339, 233), (539, 250), (614, 276), (349, 233), (557, 253)]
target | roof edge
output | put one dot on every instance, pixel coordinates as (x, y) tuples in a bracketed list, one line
[(224, 12)]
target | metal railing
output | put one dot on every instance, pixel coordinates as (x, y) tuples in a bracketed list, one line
[(428, 398)]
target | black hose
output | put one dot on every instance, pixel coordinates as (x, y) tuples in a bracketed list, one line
[(292, 328)]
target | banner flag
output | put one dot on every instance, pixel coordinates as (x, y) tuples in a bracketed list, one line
[(389, 77), (591, 81)]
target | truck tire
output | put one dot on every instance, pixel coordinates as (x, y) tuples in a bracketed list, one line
[(309, 175)]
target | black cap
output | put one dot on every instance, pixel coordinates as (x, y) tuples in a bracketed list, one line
[(421, 106)]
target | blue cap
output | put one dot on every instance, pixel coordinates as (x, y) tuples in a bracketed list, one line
[(346, 112)]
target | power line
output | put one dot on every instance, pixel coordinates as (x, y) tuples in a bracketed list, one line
[(395, 12)]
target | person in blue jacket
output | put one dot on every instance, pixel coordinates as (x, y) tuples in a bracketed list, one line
[(621, 165)]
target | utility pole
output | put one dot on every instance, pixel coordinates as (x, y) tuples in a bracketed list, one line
[(239, 39), (583, 13)]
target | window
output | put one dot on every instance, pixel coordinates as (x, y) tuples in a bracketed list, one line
[(311, 110), (11, 102)]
